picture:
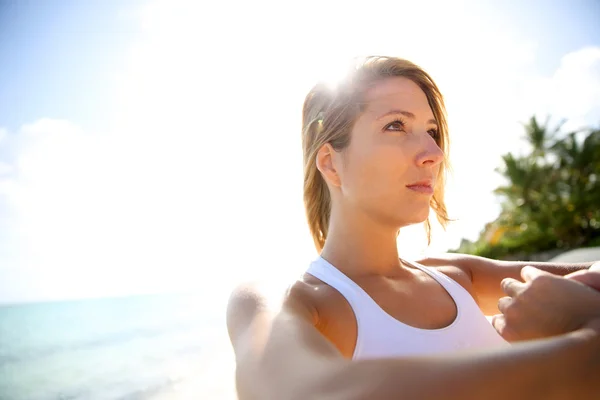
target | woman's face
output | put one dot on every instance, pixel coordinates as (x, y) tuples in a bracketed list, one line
[(390, 168)]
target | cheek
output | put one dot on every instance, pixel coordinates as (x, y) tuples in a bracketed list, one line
[(377, 170)]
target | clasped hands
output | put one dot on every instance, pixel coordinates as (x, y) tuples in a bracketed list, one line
[(546, 305)]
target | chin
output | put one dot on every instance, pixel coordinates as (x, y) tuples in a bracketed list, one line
[(413, 217), (416, 217)]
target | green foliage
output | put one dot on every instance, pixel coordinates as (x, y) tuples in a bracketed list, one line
[(552, 196)]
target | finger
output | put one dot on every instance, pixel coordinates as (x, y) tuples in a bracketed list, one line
[(503, 304), (593, 324), (576, 273), (529, 273), (499, 323), (512, 287), (589, 278)]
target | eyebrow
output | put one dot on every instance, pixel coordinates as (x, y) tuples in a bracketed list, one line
[(405, 113)]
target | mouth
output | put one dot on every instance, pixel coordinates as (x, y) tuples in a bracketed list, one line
[(425, 187)]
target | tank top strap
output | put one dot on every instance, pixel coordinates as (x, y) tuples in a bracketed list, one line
[(455, 289), (329, 274)]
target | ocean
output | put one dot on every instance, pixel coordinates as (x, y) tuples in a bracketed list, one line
[(169, 346)]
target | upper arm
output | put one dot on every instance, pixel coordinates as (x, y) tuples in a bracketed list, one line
[(246, 304), (275, 341), (487, 274), (484, 276), (254, 309)]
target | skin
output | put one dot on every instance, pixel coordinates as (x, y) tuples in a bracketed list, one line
[(524, 312), (486, 275), (589, 277), (313, 328)]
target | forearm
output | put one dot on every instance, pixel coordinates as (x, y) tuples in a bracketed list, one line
[(488, 274), (274, 369), (561, 269), (559, 368), (271, 366)]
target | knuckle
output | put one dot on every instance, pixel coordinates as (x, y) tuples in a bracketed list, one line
[(511, 312), (507, 331), (543, 281)]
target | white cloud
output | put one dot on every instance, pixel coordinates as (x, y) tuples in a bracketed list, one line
[(572, 92), (5, 169)]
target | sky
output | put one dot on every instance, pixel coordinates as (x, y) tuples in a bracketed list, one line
[(150, 146)]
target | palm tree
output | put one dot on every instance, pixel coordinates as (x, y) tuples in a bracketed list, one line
[(552, 196), (539, 136)]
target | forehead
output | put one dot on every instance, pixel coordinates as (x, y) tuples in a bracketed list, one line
[(397, 93)]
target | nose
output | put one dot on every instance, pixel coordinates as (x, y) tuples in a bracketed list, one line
[(430, 153)]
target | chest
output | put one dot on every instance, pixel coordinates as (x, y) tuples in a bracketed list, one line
[(420, 302)]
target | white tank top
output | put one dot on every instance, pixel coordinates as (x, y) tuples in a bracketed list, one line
[(380, 335)]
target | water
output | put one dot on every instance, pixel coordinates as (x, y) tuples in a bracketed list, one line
[(144, 347)]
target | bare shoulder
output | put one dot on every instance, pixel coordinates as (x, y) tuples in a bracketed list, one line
[(457, 261), (335, 319), (269, 322), (260, 298), (454, 265), (319, 292)]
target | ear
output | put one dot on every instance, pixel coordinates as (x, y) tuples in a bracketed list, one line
[(327, 161)]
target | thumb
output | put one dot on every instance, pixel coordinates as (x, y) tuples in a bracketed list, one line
[(590, 278), (529, 273)]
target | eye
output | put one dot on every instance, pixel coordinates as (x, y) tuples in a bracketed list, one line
[(434, 134), (396, 125)]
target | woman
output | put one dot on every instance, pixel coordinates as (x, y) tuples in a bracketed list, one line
[(364, 323)]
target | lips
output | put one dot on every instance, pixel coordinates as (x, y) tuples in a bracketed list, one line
[(425, 187)]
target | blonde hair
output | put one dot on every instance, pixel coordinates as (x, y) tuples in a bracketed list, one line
[(328, 115)]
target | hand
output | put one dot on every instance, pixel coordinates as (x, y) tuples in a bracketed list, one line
[(545, 305), (590, 277)]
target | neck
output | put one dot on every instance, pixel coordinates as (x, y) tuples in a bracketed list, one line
[(359, 246)]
